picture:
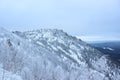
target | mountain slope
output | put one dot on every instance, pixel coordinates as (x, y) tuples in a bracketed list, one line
[(52, 55)]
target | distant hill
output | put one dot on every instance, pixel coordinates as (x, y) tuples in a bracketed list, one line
[(111, 48)]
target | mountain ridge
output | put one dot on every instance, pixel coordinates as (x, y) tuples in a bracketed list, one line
[(53, 55)]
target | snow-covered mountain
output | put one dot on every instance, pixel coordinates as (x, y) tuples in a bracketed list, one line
[(51, 54)]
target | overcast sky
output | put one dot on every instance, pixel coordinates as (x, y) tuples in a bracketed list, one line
[(77, 17)]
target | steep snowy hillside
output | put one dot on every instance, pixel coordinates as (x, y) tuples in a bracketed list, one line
[(51, 55)]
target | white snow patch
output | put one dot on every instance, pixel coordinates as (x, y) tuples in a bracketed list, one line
[(108, 48), (38, 42), (54, 48)]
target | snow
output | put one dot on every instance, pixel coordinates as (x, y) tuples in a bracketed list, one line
[(61, 57), (61, 41), (53, 47), (62, 50), (39, 43), (108, 48), (74, 56), (5, 75)]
